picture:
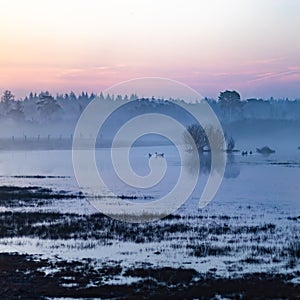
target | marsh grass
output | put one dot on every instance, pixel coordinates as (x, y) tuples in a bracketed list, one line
[(207, 249), (293, 249), (12, 196)]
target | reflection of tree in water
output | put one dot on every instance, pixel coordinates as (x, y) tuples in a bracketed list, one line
[(232, 169)]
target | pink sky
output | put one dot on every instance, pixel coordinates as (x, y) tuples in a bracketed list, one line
[(252, 46)]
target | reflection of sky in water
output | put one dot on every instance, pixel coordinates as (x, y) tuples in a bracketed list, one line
[(271, 181), (139, 162)]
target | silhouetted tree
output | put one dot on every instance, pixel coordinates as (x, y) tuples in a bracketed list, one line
[(230, 102), (92, 96), (133, 97), (47, 105), (101, 97), (72, 96), (208, 138), (7, 98), (230, 144), (17, 112), (108, 98), (119, 98), (197, 133)]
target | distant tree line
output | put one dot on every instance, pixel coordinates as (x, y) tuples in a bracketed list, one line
[(229, 107)]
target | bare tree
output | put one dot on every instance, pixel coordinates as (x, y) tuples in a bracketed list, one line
[(195, 136), (210, 138), (7, 98), (230, 144), (216, 139)]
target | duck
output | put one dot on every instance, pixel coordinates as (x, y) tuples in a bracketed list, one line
[(159, 154), (156, 154)]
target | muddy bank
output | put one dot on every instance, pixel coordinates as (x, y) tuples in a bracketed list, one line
[(28, 277)]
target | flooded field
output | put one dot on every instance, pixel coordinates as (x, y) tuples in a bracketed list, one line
[(245, 243)]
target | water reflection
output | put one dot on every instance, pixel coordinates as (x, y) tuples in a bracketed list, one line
[(232, 169)]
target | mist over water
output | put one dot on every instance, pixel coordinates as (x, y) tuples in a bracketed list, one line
[(118, 186), (250, 226)]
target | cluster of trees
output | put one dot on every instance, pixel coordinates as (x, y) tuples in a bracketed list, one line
[(229, 106), (198, 138), (44, 107)]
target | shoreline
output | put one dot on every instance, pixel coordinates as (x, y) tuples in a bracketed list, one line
[(8, 144)]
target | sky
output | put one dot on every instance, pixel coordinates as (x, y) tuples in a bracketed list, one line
[(252, 46)]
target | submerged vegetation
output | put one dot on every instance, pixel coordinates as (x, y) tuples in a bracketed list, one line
[(220, 253), (209, 253)]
